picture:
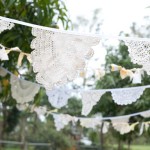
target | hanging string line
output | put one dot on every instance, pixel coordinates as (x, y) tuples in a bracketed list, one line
[(72, 32), (82, 90)]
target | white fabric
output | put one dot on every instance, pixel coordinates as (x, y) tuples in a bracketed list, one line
[(3, 54), (139, 51), (126, 96), (137, 76), (23, 91), (40, 110), (142, 128), (22, 107), (90, 122), (145, 114), (58, 57), (61, 120), (105, 127), (89, 99), (58, 97), (121, 125), (3, 72), (5, 25)]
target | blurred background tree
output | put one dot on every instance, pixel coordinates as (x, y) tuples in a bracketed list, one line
[(16, 125)]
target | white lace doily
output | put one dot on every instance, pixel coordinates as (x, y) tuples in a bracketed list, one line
[(23, 91), (90, 122), (126, 96), (139, 51), (58, 57), (146, 114), (61, 120), (89, 99), (58, 97), (40, 110), (121, 125), (3, 72), (3, 54), (4, 25), (22, 107)]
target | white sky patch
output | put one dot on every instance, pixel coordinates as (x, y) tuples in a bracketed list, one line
[(118, 15)]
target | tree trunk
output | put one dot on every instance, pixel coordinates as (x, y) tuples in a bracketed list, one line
[(3, 125), (119, 145), (23, 133), (101, 137), (129, 143)]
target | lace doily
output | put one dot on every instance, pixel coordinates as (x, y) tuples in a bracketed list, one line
[(23, 91), (58, 97), (139, 51), (61, 120), (58, 57), (146, 114), (22, 107), (3, 72), (90, 122), (3, 54), (121, 125), (4, 25), (126, 96), (40, 110), (89, 99)]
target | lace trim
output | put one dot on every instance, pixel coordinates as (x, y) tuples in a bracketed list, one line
[(89, 99), (4, 25), (58, 57), (127, 96), (58, 97), (139, 51), (23, 91)]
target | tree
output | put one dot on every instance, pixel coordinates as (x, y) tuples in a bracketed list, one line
[(47, 13), (121, 57)]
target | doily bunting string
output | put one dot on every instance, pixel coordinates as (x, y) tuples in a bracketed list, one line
[(71, 32)]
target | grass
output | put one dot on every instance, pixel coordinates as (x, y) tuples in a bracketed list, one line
[(136, 147), (140, 147)]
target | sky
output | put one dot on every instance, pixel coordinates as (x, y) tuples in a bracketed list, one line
[(118, 15)]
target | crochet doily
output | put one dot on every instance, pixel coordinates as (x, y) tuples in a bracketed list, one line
[(121, 125), (23, 91), (58, 57), (126, 96), (4, 25), (58, 97), (90, 122), (61, 120), (139, 51), (40, 110), (89, 99), (145, 114)]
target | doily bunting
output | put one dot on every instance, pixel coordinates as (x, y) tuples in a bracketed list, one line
[(65, 52)]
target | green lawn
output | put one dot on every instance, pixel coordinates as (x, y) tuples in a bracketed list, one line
[(140, 147), (136, 147)]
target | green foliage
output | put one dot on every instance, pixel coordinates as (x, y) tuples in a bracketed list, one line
[(50, 13), (106, 105)]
